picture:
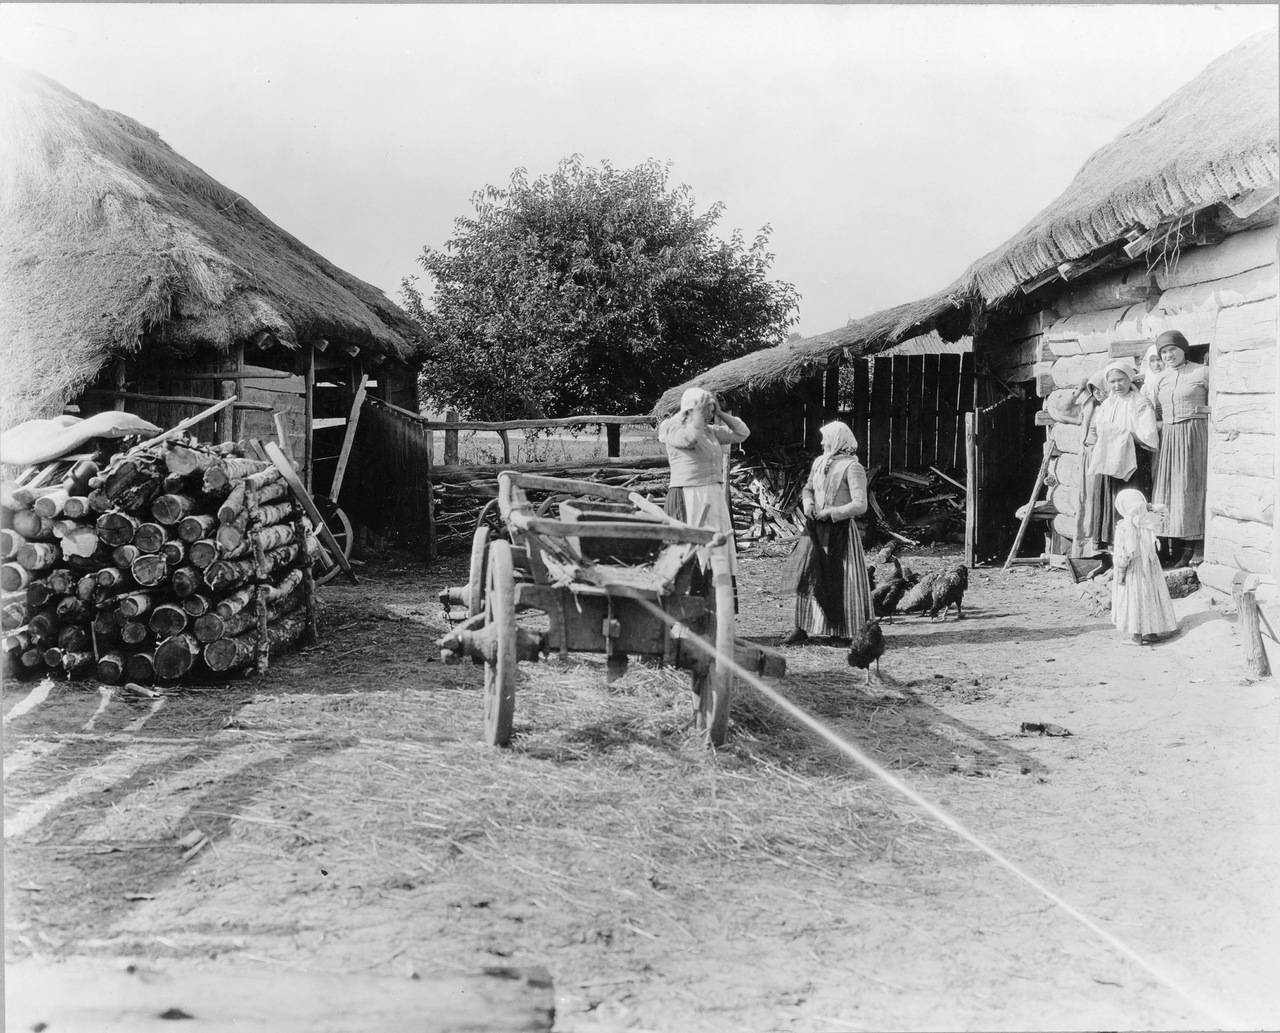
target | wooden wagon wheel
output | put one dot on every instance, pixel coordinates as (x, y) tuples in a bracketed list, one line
[(476, 580), (500, 672), (343, 535), (717, 687)]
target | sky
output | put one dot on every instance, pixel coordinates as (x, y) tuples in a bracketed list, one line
[(887, 147)]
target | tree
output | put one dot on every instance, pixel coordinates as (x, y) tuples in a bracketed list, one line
[(589, 291)]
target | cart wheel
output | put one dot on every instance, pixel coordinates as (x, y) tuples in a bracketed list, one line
[(713, 699), (500, 675), (475, 583), (340, 527)]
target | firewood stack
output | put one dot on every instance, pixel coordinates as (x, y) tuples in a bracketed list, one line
[(172, 561)]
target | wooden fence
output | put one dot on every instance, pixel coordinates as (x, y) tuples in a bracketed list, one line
[(907, 411)]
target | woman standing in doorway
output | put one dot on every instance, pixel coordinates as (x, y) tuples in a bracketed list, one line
[(1182, 470), (1126, 426)]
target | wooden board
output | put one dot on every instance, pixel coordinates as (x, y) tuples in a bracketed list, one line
[(1246, 326), (1244, 414), (1237, 254), (90, 997), (881, 398), (898, 422), (1252, 455), (861, 407), (915, 412), (950, 456), (929, 411)]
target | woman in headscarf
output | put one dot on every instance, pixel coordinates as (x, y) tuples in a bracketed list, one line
[(1182, 470), (1140, 602), (828, 570), (1125, 423), (1152, 366), (695, 438)]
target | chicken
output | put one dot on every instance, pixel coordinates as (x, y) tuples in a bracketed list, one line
[(937, 592), (885, 597), (867, 647), (919, 597), (948, 590)]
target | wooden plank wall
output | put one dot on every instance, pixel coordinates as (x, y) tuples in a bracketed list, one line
[(907, 410), (387, 484)]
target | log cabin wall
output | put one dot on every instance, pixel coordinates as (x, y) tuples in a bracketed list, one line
[(1223, 297)]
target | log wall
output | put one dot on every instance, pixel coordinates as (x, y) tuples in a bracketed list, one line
[(1223, 297)]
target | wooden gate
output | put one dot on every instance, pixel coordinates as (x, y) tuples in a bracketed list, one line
[(996, 444)]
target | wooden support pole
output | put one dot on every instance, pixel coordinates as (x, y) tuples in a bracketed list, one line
[(971, 475), (450, 439), (431, 500), (308, 413), (1256, 663)]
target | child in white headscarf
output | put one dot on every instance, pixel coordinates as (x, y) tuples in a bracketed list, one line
[(1140, 602), (828, 570)]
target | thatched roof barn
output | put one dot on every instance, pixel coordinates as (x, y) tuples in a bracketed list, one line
[(112, 244), (1208, 151), (1169, 226)]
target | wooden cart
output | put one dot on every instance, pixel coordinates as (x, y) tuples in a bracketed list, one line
[(592, 571)]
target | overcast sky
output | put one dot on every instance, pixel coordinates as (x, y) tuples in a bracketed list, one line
[(887, 146)]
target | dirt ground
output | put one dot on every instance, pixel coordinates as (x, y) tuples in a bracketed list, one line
[(357, 825)]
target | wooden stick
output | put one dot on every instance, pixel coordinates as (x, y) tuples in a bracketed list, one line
[(951, 480), (138, 396), (185, 425), (1256, 662), (348, 439)]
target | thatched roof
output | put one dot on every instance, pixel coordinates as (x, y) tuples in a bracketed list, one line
[(107, 234), (1212, 141), (787, 364)]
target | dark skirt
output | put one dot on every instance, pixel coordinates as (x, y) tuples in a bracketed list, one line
[(1182, 476), (1100, 507), (828, 574)]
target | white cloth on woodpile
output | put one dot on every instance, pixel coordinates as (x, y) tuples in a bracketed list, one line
[(1140, 600), (38, 441)]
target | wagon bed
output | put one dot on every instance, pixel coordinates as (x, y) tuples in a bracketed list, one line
[(614, 575)]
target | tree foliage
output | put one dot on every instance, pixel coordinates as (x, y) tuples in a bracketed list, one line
[(589, 291)]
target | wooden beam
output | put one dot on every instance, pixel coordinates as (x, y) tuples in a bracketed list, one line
[(138, 396), (84, 994), (320, 344), (262, 374), (1048, 276), (265, 339), (971, 494), (351, 349), (348, 439), (308, 413), (566, 421), (1254, 201), (1127, 349)]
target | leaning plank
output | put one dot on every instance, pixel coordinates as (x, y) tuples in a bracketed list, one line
[(88, 996)]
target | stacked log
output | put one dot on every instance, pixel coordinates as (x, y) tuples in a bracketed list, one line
[(172, 561)]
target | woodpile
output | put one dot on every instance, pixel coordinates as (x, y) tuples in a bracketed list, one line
[(462, 492), (172, 560), (911, 508)]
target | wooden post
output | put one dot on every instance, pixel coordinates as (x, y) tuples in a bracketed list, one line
[(971, 482), (348, 439), (451, 439), (227, 421), (431, 500), (308, 412), (1256, 663), (506, 446), (1031, 503), (613, 440)]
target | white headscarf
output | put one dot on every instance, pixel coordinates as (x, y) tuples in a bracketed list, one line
[(1132, 505), (1123, 367), (837, 440), (837, 437), (1152, 353), (694, 398)]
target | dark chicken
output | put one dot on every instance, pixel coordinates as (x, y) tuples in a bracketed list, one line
[(937, 592), (867, 647), (885, 597)]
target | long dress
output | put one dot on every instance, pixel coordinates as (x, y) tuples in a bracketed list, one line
[(828, 570), (696, 457), (1118, 419), (1182, 470), (1141, 605)]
